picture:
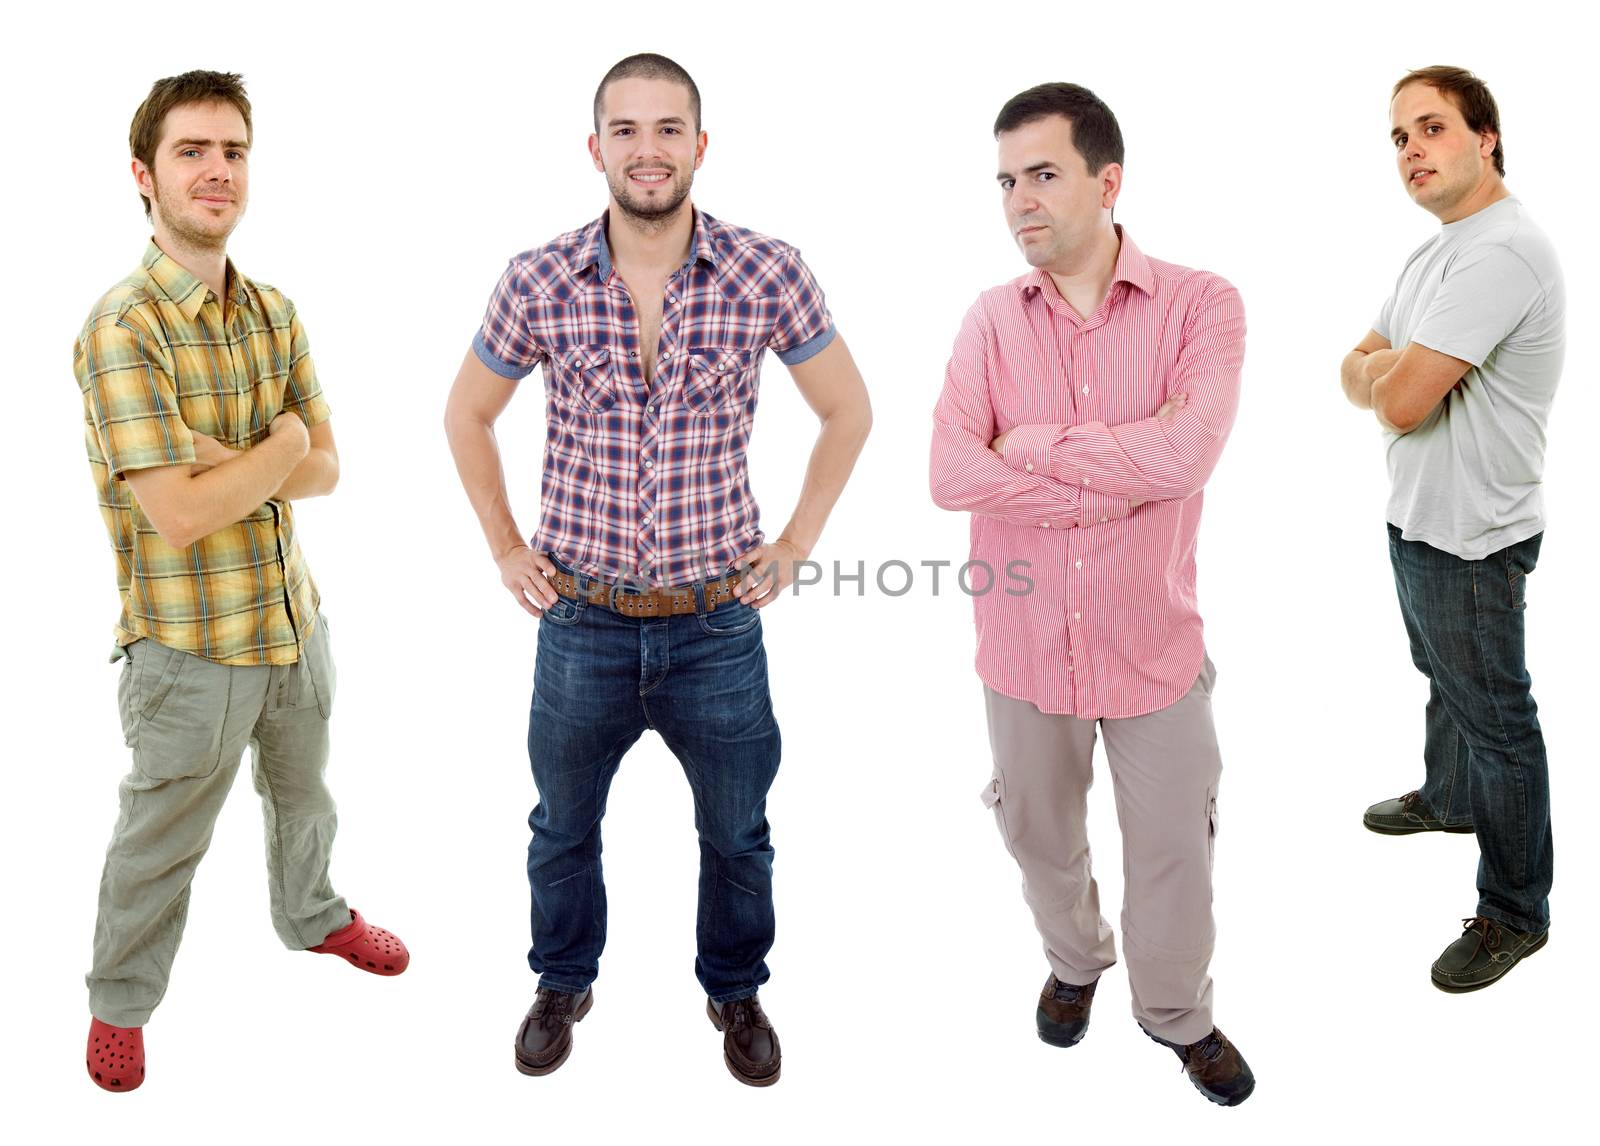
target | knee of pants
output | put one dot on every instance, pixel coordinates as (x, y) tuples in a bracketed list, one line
[(735, 841)]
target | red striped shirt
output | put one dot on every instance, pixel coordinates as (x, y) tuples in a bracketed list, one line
[(1111, 627)]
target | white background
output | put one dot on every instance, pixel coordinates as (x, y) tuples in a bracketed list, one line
[(401, 157)]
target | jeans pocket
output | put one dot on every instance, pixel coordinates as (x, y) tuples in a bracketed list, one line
[(730, 619), (179, 715), (564, 612)]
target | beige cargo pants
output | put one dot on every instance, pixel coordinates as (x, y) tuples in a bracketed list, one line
[(188, 721), (1164, 770)]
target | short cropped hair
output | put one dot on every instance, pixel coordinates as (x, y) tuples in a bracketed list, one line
[(647, 66), (1471, 97), (1095, 133)]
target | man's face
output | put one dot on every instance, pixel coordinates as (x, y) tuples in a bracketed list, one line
[(1054, 204), (1441, 161), (200, 181), (647, 146)]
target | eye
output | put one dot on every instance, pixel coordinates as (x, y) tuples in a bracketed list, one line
[(1045, 176), (670, 130), (623, 131), (187, 151), (1400, 140), (235, 155), (1434, 128), (1007, 184)]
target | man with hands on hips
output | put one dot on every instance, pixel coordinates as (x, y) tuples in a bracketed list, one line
[(649, 565)]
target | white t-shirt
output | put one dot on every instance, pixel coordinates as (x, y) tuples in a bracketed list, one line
[(1487, 290)]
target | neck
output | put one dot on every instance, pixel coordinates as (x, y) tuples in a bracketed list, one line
[(1486, 194), (658, 243), (209, 264), (1084, 277)]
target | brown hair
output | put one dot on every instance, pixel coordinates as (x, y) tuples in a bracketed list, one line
[(1095, 133), (1471, 97), (176, 91), (647, 66)]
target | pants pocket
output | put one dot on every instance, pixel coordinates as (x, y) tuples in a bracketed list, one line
[(1211, 828), (319, 663), (993, 796), (178, 705)]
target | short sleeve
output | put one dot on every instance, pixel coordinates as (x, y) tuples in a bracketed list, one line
[(503, 343), (131, 399), (1383, 323), (1484, 296), (804, 327), (303, 393)]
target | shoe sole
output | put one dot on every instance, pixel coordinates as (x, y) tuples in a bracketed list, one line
[(728, 1059), (535, 1070), (1460, 989), (1385, 830)]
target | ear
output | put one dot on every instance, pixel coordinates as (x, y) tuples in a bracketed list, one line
[(1487, 142), (700, 150), (1110, 185), (143, 179), (594, 153)]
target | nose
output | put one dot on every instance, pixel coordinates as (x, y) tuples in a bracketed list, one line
[(1020, 200), (217, 169)]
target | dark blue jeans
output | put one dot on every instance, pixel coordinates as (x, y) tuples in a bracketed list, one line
[(1484, 754), (600, 680)]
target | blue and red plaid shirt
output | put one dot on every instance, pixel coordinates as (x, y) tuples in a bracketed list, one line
[(647, 480)]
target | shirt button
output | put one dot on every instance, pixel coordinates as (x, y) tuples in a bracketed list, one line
[(633, 354), (1102, 519), (1086, 389), (655, 409), (1077, 616), (1077, 564), (666, 354), (1044, 525), (650, 465), (1028, 466), (647, 519), (1087, 480)]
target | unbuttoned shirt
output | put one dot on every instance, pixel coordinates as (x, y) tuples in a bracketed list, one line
[(1091, 608), (160, 358), (647, 480)]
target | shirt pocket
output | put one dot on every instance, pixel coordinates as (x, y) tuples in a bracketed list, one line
[(584, 379), (717, 379)]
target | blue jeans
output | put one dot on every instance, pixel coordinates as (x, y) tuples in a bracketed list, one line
[(1484, 755), (600, 680)]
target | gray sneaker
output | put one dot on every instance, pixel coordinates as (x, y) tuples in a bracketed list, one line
[(1485, 952), (1405, 815)]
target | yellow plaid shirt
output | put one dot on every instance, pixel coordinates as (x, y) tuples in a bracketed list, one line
[(160, 357)]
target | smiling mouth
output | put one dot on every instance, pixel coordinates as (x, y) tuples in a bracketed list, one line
[(649, 177), (1419, 174)]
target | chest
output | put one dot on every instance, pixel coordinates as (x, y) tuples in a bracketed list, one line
[(231, 371), (1047, 368), (1414, 294)]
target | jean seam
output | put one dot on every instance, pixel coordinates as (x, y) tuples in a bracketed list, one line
[(1519, 779)]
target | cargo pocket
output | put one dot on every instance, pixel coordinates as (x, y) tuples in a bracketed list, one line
[(1211, 827), (178, 703), (319, 662), (993, 796)]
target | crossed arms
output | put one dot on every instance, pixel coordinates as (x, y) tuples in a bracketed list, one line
[(1401, 387), (1082, 475)]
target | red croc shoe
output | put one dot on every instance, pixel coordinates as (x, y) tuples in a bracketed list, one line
[(116, 1056), (368, 947)]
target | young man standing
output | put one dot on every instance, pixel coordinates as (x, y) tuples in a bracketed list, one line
[(650, 323), (204, 421), (1461, 369), (1084, 407)]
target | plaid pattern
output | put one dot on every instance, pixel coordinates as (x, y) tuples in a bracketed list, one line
[(648, 481), (161, 356)]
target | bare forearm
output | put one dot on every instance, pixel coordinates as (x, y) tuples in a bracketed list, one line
[(231, 492), (1354, 377), (315, 476), (477, 458), (833, 457)]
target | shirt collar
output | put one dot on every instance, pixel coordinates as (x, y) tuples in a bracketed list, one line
[(1132, 268), (596, 252), (182, 288)]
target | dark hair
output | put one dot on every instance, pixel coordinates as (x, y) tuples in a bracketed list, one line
[(1095, 133), (176, 91), (1471, 97), (648, 66)]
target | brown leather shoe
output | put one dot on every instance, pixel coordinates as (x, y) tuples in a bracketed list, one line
[(1216, 1068), (545, 1038), (1063, 1014), (749, 1044)]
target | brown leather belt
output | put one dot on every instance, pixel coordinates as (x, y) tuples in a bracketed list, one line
[(671, 601)]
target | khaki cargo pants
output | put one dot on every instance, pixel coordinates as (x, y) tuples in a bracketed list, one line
[(188, 721), (1164, 769)]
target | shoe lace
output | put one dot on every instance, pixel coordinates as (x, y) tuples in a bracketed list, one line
[(1488, 932), (1209, 1048), (745, 1013), (1410, 800), (1067, 992), (553, 1009)]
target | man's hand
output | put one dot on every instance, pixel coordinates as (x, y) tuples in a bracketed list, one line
[(289, 424), (525, 574), (208, 453), (767, 571), (999, 444), (1378, 363)]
